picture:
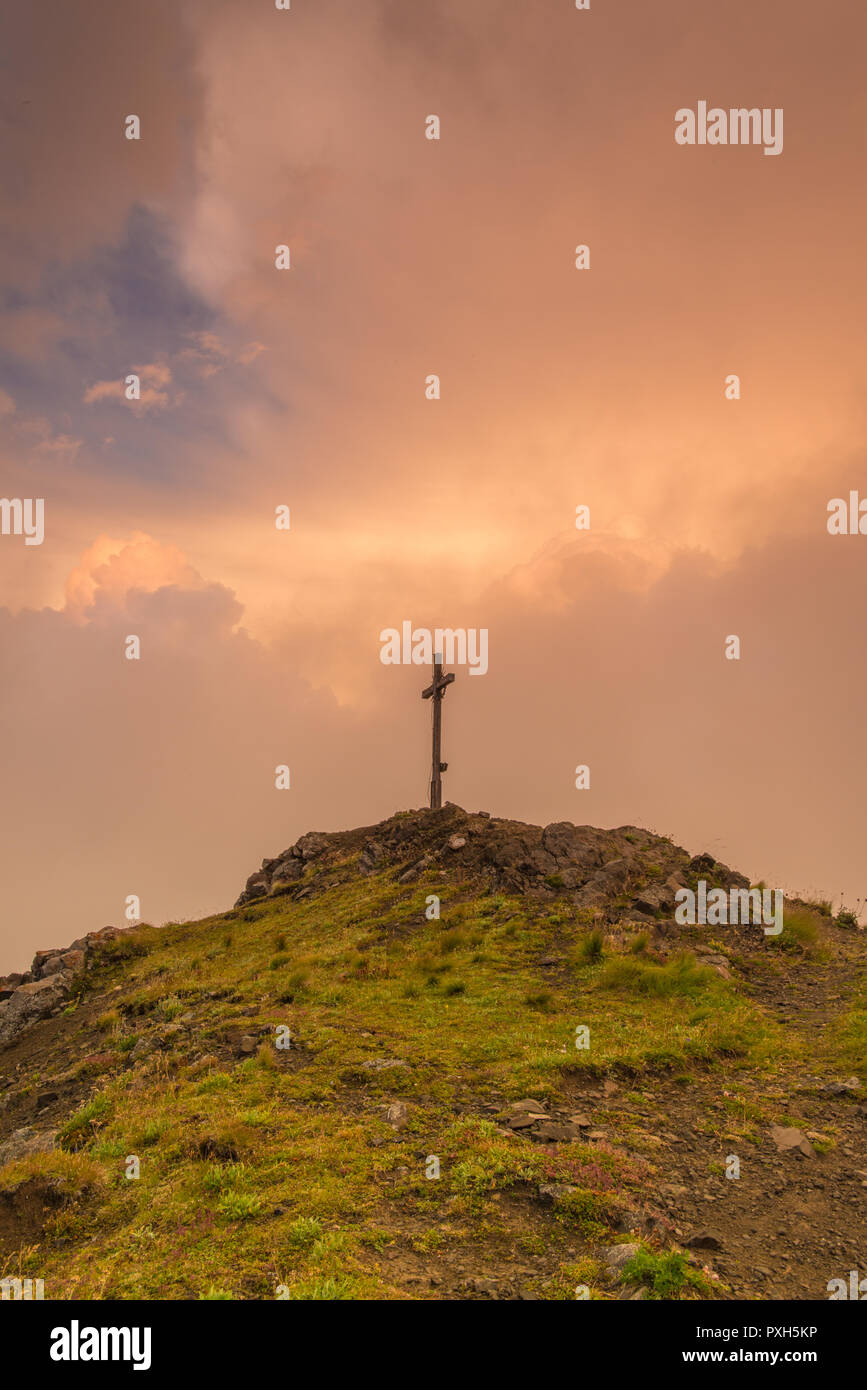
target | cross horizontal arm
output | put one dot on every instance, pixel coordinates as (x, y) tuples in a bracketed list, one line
[(438, 686)]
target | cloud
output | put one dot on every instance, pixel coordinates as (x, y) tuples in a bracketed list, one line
[(157, 776), (110, 568), (153, 376)]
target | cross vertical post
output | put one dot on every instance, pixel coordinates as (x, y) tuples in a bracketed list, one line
[(435, 691)]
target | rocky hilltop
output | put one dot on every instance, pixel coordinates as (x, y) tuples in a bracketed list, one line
[(605, 871), (627, 875), (448, 1056)]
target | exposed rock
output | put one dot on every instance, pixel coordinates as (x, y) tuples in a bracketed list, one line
[(704, 1240), (842, 1088), (616, 1256), (24, 1142), (257, 886), (382, 1063), (141, 1049), (556, 1191), (548, 1133), (287, 870), (41, 959), (578, 845), (720, 964), (311, 845), (412, 873), (790, 1140), (372, 856), (706, 867), (70, 961), (29, 1003), (702, 864), (597, 866), (648, 901)]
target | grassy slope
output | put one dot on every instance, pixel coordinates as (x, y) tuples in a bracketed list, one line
[(280, 1169)]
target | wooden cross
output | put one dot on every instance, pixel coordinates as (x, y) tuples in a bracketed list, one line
[(436, 690)]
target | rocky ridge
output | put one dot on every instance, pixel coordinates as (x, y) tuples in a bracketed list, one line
[(43, 989), (610, 873)]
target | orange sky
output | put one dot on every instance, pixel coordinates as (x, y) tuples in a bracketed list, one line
[(306, 388)]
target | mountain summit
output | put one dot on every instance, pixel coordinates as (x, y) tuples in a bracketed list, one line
[(445, 1056), (606, 871)]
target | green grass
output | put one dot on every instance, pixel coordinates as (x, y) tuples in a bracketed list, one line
[(845, 1040), (665, 1275), (681, 976), (279, 1170), (801, 932)]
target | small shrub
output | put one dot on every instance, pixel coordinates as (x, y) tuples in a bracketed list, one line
[(304, 1233), (800, 932), (590, 947), (680, 976), (451, 940), (81, 1127), (239, 1206), (151, 1134), (666, 1275), (542, 1000), (169, 1007)]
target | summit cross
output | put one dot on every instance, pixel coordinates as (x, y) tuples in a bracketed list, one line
[(435, 691)]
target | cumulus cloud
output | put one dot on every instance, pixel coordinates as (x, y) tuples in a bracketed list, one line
[(110, 568)]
